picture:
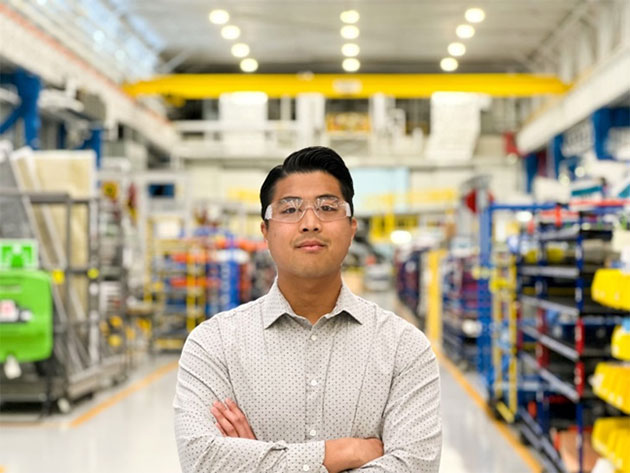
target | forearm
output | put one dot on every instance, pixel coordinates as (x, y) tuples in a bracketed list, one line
[(401, 462), (216, 454)]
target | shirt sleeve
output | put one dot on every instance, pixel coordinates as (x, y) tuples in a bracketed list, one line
[(412, 425), (202, 379)]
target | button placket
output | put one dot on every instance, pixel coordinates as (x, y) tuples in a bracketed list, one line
[(312, 392)]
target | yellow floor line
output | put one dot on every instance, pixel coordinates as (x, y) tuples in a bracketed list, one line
[(106, 404), (522, 451)]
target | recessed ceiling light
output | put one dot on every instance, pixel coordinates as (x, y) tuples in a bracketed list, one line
[(349, 32), (249, 65), (230, 32), (349, 16), (475, 15), (351, 64), (219, 17), (465, 31), (448, 64), (456, 49), (240, 50), (350, 49)]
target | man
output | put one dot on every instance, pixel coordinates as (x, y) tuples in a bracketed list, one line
[(309, 377)]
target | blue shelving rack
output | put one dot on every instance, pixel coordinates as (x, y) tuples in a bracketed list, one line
[(571, 336)]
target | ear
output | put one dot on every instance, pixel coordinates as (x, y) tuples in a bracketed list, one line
[(353, 224), (264, 229)]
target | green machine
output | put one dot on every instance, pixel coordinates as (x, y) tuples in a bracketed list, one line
[(26, 308)]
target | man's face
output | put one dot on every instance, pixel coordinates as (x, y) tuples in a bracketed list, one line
[(309, 248)]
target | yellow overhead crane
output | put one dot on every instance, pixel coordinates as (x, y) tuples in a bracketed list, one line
[(180, 87)]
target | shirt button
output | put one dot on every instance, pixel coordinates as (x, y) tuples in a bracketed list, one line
[(313, 433), (313, 382), (313, 337), (306, 468)]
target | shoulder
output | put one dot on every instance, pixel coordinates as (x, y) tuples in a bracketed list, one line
[(212, 332), (409, 342)]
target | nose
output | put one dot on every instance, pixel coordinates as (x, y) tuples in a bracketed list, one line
[(310, 222)]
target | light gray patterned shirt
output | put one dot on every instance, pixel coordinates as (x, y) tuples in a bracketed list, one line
[(360, 371)]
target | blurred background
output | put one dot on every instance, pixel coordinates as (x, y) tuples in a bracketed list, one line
[(489, 142)]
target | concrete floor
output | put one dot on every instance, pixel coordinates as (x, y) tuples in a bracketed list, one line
[(129, 429)]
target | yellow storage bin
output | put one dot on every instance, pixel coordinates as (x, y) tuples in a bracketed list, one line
[(612, 383), (611, 439), (620, 345), (611, 287)]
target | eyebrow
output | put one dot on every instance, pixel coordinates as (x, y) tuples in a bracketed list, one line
[(322, 196)]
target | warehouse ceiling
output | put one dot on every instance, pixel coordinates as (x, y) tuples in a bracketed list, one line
[(395, 35)]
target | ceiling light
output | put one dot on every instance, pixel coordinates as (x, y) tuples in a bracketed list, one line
[(349, 16), (456, 49), (448, 64), (240, 50), (350, 49), (219, 17), (230, 32), (580, 171), (475, 15), (351, 64), (465, 31), (249, 65), (99, 36), (350, 32)]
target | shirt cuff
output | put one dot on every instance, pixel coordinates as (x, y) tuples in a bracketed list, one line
[(306, 457)]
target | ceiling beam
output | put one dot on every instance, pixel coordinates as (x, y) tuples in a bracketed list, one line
[(202, 86)]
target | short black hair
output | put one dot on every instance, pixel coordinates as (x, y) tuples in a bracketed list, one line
[(311, 159)]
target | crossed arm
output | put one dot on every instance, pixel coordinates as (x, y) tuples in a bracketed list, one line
[(411, 440), (340, 454)]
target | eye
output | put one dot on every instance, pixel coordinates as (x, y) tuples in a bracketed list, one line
[(288, 210), (328, 208)]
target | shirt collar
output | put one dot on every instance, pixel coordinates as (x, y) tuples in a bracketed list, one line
[(275, 305)]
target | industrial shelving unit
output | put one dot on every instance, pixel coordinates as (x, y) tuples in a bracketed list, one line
[(408, 269), (460, 325), (512, 387), (113, 280), (193, 279), (80, 364), (571, 335)]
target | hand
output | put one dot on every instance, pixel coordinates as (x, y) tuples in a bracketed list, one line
[(368, 450), (350, 453), (231, 421)]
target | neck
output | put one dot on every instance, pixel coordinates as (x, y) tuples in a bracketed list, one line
[(310, 298)]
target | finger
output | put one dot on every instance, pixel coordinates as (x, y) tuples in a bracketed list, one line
[(247, 428), (225, 423), (221, 429), (237, 419)]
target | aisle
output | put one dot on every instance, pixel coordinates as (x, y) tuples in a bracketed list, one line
[(124, 430), (129, 430)]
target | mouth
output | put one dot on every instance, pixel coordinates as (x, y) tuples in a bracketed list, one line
[(311, 245)]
